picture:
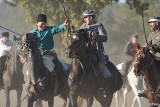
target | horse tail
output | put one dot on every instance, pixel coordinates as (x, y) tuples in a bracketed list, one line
[(120, 81), (116, 76)]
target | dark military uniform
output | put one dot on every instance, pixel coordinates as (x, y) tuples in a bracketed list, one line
[(155, 37), (129, 52), (100, 38)]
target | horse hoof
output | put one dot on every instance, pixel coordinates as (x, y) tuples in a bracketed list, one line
[(142, 95)]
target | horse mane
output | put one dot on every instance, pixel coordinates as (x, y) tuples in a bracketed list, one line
[(84, 33)]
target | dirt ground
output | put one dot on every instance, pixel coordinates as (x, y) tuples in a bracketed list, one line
[(58, 102)]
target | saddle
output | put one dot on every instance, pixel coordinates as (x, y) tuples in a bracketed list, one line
[(50, 54)]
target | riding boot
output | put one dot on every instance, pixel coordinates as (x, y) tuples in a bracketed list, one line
[(60, 72)]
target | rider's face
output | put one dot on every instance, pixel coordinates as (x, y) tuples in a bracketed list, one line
[(88, 20), (5, 39), (153, 26), (41, 25), (134, 40)]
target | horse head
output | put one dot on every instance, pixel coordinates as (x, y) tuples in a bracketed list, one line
[(30, 40), (143, 60), (26, 43), (76, 44)]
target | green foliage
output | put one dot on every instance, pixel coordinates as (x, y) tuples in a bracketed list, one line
[(120, 20), (54, 8), (140, 5), (13, 18), (55, 11)]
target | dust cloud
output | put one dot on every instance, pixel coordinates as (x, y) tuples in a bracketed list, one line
[(58, 101)]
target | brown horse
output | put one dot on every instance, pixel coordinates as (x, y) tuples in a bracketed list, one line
[(84, 80), (147, 65)]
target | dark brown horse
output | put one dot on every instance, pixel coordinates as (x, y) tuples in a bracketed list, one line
[(13, 77), (147, 65), (84, 79), (41, 84)]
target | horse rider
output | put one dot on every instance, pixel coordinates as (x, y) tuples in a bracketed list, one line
[(129, 52), (100, 36), (5, 46), (46, 44), (154, 37)]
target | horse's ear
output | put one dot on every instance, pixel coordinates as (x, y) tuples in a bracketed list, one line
[(84, 33)]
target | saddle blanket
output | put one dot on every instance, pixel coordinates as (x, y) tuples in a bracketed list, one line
[(50, 65)]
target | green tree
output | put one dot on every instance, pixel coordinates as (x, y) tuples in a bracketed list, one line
[(55, 11), (121, 22), (141, 5), (54, 8)]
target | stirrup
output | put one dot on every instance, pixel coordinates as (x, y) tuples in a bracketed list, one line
[(101, 92)]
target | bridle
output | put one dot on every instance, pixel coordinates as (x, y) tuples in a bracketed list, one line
[(154, 92), (76, 50), (148, 62)]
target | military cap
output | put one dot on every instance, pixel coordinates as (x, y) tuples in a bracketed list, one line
[(154, 19), (5, 34), (88, 13), (41, 18), (134, 36)]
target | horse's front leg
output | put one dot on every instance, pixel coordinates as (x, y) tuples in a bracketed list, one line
[(38, 103), (126, 90), (30, 101), (7, 91), (73, 98), (117, 96), (63, 95), (51, 102), (90, 101), (19, 93)]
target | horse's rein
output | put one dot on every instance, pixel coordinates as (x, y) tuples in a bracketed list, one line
[(76, 51)]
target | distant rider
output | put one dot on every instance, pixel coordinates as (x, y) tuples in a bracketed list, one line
[(5, 46)]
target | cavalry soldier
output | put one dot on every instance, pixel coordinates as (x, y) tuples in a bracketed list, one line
[(5, 46), (46, 44), (100, 36), (45, 41), (154, 37), (129, 51)]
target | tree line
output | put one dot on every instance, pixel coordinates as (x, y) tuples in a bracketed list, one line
[(120, 20)]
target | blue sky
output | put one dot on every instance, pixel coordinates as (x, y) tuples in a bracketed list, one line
[(122, 1)]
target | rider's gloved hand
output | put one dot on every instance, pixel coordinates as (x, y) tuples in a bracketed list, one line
[(154, 48), (66, 22)]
